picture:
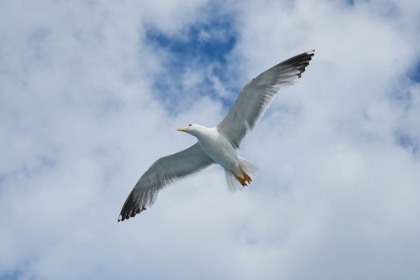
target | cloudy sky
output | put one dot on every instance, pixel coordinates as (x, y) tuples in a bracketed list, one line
[(91, 93)]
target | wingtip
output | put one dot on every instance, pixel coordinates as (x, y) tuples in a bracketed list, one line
[(130, 214), (303, 62)]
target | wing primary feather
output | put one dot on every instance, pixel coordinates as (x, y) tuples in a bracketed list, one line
[(257, 95), (163, 172)]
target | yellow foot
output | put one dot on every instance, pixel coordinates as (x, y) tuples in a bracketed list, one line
[(245, 180), (246, 176), (241, 180)]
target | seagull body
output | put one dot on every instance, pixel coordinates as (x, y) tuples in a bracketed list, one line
[(218, 145)]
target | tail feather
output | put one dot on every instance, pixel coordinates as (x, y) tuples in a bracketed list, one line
[(248, 167), (236, 183), (231, 181)]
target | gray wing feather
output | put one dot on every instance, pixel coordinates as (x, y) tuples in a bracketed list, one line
[(164, 171), (257, 95)]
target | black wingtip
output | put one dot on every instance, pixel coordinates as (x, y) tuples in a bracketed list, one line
[(300, 61), (125, 215)]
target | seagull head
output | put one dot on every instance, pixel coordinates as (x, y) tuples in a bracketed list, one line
[(193, 129), (187, 129)]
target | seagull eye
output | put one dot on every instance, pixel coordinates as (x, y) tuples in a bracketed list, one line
[(190, 125)]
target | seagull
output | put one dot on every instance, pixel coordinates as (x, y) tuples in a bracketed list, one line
[(218, 145)]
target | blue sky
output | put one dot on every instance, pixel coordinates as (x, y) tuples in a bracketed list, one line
[(91, 93), (199, 45)]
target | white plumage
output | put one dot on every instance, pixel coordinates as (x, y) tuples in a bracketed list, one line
[(218, 144)]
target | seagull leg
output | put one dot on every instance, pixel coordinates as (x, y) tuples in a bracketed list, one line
[(246, 178), (241, 180)]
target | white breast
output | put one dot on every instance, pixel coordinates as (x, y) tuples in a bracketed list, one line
[(218, 148)]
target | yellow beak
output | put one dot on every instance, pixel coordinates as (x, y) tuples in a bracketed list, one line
[(181, 129)]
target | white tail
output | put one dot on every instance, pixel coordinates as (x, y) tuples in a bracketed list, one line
[(248, 168)]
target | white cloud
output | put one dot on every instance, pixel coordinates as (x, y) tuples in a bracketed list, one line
[(82, 117)]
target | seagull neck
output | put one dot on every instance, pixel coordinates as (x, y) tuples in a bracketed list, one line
[(201, 132)]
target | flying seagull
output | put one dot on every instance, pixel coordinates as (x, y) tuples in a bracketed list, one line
[(218, 145)]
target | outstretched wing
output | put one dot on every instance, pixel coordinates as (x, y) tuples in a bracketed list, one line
[(257, 95), (164, 171)]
